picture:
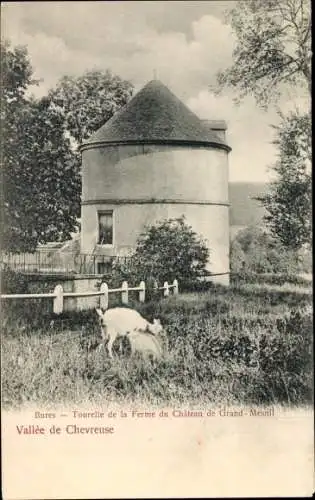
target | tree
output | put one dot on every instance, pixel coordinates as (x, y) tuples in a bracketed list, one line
[(16, 74), (167, 250), (41, 161), (237, 256), (254, 250), (273, 51), (273, 47), (40, 172), (88, 101), (289, 202)]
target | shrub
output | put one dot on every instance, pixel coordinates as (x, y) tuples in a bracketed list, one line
[(13, 281), (167, 250), (254, 250)]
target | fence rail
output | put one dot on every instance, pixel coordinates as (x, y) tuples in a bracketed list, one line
[(59, 295)]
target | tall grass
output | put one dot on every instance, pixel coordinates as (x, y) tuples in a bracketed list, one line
[(227, 345)]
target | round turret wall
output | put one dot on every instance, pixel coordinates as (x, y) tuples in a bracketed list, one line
[(145, 183)]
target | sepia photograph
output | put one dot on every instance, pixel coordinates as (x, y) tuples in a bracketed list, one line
[(156, 249)]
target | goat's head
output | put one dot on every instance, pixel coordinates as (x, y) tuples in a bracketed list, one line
[(156, 327)]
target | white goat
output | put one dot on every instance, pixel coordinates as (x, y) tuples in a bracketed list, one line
[(123, 322), (146, 344)]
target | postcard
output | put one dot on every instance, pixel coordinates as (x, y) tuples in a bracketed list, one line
[(156, 255)]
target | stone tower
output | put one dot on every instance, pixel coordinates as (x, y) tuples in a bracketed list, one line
[(155, 159)]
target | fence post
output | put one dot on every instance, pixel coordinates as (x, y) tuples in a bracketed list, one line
[(58, 300), (104, 296), (155, 286), (124, 292), (175, 287), (142, 292), (166, 289)]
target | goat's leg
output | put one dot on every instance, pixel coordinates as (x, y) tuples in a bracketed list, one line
[(132, 346), (111, 341), (104, 340), (100, 346), (121, 346)]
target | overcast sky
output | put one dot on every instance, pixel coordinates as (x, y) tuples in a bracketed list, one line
[(186, 43)]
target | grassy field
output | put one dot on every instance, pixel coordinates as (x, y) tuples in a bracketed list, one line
[(239, 345)]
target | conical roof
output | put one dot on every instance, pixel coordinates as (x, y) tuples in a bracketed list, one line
[(155, 115)]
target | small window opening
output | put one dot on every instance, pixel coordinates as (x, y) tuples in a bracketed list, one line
[(105, 228)]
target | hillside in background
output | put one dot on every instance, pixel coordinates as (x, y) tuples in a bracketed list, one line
[(244, 209)]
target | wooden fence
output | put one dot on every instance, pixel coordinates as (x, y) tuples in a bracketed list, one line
[(58, 294)]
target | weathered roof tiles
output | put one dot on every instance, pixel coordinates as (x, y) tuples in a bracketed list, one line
[(155, 114)]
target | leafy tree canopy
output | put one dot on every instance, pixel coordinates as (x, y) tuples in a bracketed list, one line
[(88, 101), (273, 47), (41, 163), (16, 73), (40, 172), (273, 51), (289, 202)]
